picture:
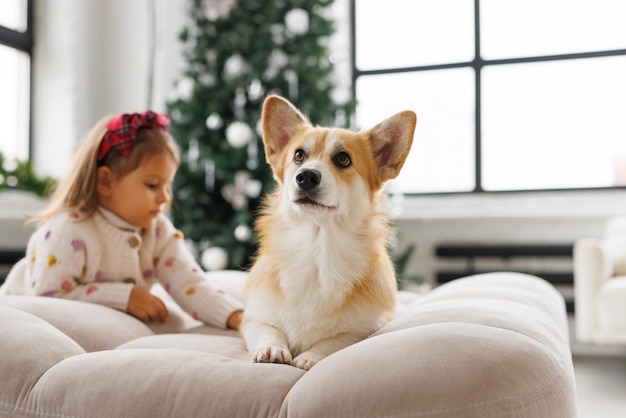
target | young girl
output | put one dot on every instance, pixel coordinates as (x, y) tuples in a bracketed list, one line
[(104, 238)]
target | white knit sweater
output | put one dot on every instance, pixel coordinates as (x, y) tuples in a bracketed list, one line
[(100, 259)]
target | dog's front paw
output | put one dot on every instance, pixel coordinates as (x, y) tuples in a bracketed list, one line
[(272, 354), (304, 361)]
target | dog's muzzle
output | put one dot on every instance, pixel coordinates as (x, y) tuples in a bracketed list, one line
[(308, 179)]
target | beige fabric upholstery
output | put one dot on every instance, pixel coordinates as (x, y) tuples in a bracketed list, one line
[(600, 285), (487, 346)]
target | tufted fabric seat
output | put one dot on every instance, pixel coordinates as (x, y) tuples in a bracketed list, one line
[(493, 345)]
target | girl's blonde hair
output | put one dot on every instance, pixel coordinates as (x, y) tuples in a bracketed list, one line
[(79, 190)]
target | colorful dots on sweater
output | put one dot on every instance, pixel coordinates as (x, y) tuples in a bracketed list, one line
[(47, 235), (148, 274), (52, 260), (91, 288), (178, 235), (67, 285), (170, 262), (76, 245), (191, 291)]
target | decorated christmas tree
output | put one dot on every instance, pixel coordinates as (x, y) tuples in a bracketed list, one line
[(237, 52)]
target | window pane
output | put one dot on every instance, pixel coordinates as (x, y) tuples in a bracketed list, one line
[(14, 102), (13, 14), (406, 33), (539, 27), (554, 124), (442, 155)]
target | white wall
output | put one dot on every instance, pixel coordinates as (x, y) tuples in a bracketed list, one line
[(91, 58)]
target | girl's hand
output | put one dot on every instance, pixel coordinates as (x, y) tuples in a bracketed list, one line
[(145, 306), (234, 320)]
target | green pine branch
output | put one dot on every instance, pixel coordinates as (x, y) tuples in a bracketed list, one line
[(19, 175)]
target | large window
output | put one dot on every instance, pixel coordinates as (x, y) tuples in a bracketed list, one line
[(509, 94), (15, 49)]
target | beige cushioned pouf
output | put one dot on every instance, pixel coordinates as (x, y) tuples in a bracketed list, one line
[(493, 345)]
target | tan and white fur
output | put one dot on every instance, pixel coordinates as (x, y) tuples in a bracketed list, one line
[(323, 278)]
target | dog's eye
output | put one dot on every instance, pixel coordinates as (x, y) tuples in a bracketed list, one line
[(299, 156), (343, 160)]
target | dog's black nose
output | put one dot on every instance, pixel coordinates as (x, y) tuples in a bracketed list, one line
[(308, 179)]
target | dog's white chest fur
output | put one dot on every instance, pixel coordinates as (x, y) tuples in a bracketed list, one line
[(322, 259), (319, 268)]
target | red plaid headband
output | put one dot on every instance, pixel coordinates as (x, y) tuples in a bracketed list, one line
[(122, 131)]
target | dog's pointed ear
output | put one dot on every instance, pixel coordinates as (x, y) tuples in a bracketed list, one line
[(391, 142), (281, 121)]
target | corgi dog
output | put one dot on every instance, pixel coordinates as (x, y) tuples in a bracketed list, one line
[(322, 278)]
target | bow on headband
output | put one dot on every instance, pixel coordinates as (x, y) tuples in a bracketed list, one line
[(122, 131)]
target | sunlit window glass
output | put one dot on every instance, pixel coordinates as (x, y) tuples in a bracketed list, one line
[(541, 103), (405, 33), (442, 155), (550, 27), (14, 103), (554, 125), (13, 14)]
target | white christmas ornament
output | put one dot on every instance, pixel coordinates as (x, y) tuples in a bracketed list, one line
[(184, 88), (175, 114), (207, 79), (209, 175), (10, 164), (252, 161), (214, 258), (193, 154), (297, 21), (245, 187), (278, 33), (239, 134), (243, 233), (276, 62), (218, 9), (214, 121), (210, 56), (239, 102), (255, 90), (253, 188), (234, 67)]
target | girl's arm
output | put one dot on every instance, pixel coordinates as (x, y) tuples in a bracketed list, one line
[(181, 276)]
